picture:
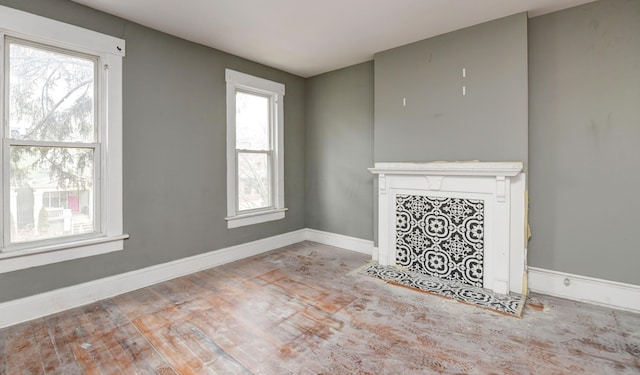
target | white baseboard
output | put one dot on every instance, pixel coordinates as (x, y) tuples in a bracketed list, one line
[(585, 289), (339, 240), (32, 307)]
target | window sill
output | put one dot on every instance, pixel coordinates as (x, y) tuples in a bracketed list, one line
[(40, 256), (255, 218)]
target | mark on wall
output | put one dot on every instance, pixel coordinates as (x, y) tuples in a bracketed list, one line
[(442, 237)]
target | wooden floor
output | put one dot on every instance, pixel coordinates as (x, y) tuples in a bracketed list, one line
[(301, 310)]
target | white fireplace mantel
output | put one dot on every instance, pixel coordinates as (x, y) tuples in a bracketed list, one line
[(456, 168), (500, 185)]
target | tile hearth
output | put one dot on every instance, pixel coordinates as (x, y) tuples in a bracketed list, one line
[(509, 304)]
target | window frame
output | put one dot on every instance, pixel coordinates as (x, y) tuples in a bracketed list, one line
[(109, 51), (237, 81)]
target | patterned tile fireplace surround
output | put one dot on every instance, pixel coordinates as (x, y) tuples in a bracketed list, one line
[(462, 221)]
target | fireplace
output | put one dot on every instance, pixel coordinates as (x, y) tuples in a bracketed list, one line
[(462, 221)]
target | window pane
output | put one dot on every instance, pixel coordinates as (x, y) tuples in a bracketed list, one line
[(252, 121), (254, 187), (51, 95), (52, 191)]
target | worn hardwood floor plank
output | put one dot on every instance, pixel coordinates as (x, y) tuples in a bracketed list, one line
[(3, 355), (22, 352)]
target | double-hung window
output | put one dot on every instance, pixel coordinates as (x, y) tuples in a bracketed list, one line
[(61, 104), (255, 159)]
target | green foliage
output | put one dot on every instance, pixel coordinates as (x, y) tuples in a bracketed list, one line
[(43, 221), (51, 99), (12, 225)]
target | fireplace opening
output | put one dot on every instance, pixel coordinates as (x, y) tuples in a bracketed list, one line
[(441, 236)]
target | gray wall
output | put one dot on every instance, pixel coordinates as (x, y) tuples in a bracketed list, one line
[(339, 113), (584, 140), (174, 153), (438, 123)]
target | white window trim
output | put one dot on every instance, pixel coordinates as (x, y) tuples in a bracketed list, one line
[(110, 51), (236, 80)]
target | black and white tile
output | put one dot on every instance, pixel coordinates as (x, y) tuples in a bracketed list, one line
[(511, 304), (441, 237)]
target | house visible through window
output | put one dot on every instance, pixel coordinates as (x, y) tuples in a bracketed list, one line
[(51, 102), (254, 149), (61, 141)]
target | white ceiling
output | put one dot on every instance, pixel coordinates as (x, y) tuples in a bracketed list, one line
[(308, 37)]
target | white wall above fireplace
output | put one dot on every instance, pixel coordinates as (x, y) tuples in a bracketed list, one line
[(501, 185)]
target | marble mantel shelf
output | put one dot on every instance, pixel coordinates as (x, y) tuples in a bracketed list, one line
[(450, 168)]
